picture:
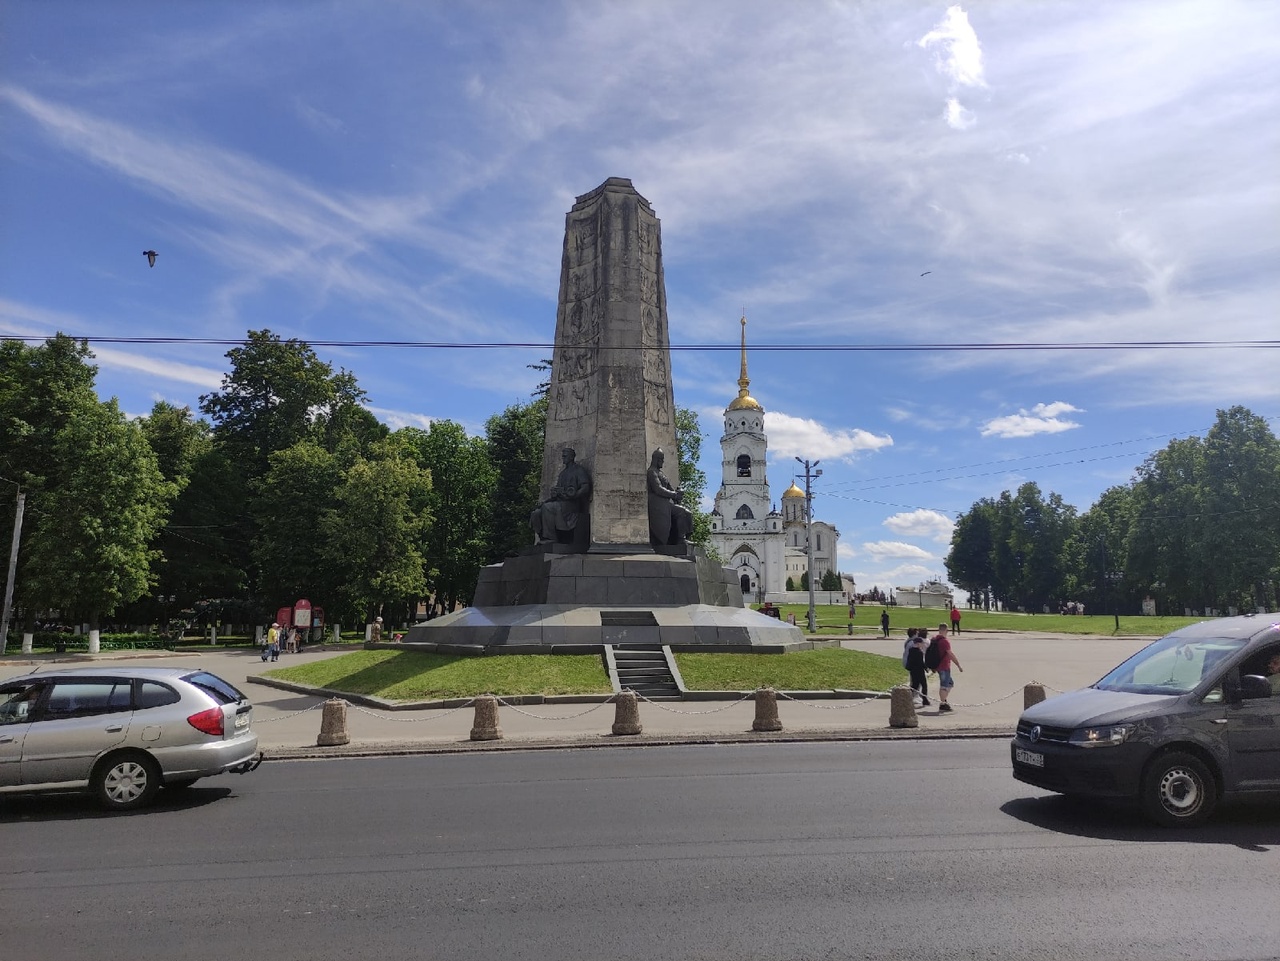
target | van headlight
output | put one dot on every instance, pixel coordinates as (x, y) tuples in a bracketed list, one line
[(1106, 735)]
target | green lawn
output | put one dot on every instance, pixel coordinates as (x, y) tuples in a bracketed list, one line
[(405, 675), (410, 676), (834, 620), (821, 670)]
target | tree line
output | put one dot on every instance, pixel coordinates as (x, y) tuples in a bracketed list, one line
[(1197, 528), (287, 487)]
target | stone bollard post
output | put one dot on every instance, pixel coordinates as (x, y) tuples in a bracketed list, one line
[(902, 708), (333, 724), (485, 727), (766, 711), (626, 718), (1033, 693)]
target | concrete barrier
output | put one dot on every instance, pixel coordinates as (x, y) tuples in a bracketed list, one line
[(1033, 693), (333, 724), (485, 727), (626, 719), (902, 708), (766, 711)]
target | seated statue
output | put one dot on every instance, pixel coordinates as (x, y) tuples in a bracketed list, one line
[(567, 500), (670, 522)]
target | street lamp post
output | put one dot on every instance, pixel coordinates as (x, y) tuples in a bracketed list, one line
[(809, 477)]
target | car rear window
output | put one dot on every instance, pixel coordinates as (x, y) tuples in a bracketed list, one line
[(155, 694), (216, 687)]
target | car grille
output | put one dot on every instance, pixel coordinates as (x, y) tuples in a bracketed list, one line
[(1048, 735)]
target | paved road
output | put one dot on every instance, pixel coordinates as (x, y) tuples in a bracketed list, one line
[(922, 849), (988, 698)]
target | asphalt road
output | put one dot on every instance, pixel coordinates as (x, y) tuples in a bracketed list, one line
[(918, 849)]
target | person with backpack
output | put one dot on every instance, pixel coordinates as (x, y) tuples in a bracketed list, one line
[(913, 660), (940, 658)]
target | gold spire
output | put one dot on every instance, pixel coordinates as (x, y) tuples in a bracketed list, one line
[(744, 400)]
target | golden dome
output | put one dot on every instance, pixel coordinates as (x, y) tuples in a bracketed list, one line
[(744, 400), (793, 491)]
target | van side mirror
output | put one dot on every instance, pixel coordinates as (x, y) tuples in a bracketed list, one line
[(1254, 686)]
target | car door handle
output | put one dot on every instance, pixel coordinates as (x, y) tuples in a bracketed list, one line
[(1219, 720), (114, 728), (6, 738)]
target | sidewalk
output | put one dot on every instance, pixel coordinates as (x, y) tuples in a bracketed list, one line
[(987, 699)]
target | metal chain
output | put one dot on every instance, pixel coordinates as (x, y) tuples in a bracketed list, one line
[(268, 720), (859, 702), (427, 715), (716, 710), (565, 717)]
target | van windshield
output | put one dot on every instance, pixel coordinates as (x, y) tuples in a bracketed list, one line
[(1172, 665)]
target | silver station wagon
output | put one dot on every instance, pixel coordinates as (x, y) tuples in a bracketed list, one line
[(1187, 720), (121, 733)]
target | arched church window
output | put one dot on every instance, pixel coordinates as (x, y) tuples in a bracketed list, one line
[(819, 543), (744, 513), (744, 465)]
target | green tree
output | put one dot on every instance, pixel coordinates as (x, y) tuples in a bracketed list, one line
[(516, 438), (1242, 509), (1166, 545), (90, 550), (791, 584), (290, 548), (831, 581), (1096, 555), (371, 536), (196, 562), (693, 480), (463, 481), (971, 561)]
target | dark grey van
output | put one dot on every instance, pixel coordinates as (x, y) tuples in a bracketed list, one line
[(1187, 720)]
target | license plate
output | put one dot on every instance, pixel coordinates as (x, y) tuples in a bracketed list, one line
[(1028, 757), (242, 720)]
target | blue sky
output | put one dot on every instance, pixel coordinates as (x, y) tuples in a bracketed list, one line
[(854, 174)]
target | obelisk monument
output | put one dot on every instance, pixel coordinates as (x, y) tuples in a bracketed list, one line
[(609, 561), (611, 397)]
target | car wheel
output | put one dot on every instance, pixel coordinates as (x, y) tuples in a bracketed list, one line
[(179, 784), (1178, 790), (123, 782)]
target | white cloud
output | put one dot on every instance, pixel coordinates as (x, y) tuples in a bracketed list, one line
[(1041, 419), (395, 419), (881, 550), (921, 523), (801, 437), (957, 53), (958, 116)]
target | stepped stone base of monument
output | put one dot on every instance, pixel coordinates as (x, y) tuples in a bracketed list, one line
[(558, 603)]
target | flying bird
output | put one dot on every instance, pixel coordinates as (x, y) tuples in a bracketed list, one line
[(927, 272), (151, 257)]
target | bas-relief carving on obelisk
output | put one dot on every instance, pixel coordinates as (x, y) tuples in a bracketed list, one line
[(611, 397)]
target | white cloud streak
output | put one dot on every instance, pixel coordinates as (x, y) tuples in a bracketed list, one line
[(1040, 419)]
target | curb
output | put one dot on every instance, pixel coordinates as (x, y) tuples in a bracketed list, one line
[(599, 741)]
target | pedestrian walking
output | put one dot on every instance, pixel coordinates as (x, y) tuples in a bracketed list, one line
[(941, 658), (915, 667), (272, 650), (884, 622), (955, 619)]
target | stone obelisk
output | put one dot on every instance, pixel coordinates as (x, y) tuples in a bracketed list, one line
[(611, 397), (611, 402)]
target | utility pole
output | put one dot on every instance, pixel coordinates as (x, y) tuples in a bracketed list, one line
[(13, 570), (810, 475)]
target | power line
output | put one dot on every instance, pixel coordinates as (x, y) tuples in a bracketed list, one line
[(777, 348)]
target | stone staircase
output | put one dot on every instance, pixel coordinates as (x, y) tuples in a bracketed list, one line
[(644, 669)]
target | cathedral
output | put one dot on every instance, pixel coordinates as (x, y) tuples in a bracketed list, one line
[(763, 545)]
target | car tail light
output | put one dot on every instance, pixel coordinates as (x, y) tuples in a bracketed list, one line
[(210, 721)]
